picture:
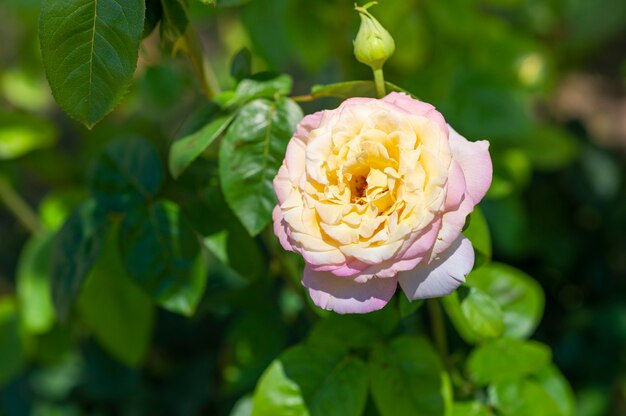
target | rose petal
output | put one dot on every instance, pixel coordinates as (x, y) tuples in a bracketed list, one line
[(416, 107), (442, 275), (344, 295), (476, 164)]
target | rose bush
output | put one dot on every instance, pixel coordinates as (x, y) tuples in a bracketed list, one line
[(376, 193)]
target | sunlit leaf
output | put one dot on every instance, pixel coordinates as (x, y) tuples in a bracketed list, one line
[(313, 381), (89, 50), (187, 148), (23, 133), (519, 296), (507, 359), (33, 284)]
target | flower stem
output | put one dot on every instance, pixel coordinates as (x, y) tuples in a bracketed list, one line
[(201, 65), (379, 80), (16, 204), (439, 330)]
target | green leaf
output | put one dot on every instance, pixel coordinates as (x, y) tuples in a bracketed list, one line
[(224, 235), (520, 297), (119, 314), (161, 253), (314, 381), (33, 285), (56, 206), (332, 330), (12, 355), (261, 85), (23, 133), (550, 148), (154, 13), (408, 378), (127, 172), (478, 233), (350, 89), (229, 3), (506, 359), (89, 50), (482, 313), (557, 387), (241, 66), (470, 409), (76, 248), (187, 148), (408, 307), (250, 155), (522, 398), (174, 22)]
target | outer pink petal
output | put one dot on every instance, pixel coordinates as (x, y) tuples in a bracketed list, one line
[(442, 275), (280, 228), (416, 107), (475, 161), (344, 295)]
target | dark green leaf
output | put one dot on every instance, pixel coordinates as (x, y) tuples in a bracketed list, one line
[(506, 359), (76, 248), (23, 133), (550, 148), (241, 66), (313, 381), (349, 89), (224, 235), (262, 85), (127, 172), (332, 330), (154, 13), (12, 354), (119, 313), (478, 233), (187, 148), (33, 284), (161, 253), (89, 50), (520, 297), (407, 378), (250, 155), (229, 3), (174, 21)]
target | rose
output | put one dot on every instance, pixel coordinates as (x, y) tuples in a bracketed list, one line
[(376, 193)]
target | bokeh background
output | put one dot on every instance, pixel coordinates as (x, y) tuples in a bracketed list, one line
[(543, 80)]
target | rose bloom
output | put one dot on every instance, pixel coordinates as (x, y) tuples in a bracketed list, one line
[(376, 193)]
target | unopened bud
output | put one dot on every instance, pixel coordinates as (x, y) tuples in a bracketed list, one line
[(373, 44)]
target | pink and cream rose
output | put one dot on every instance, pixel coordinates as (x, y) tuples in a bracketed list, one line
[(376, 193)]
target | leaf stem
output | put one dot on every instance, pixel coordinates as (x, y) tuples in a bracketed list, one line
[(439, 330), (379, 80), (201, 65), (16, 204)]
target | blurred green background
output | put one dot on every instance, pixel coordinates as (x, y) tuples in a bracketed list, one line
[(543, 80)]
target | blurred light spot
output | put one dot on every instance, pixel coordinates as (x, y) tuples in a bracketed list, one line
[(531, 69)]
